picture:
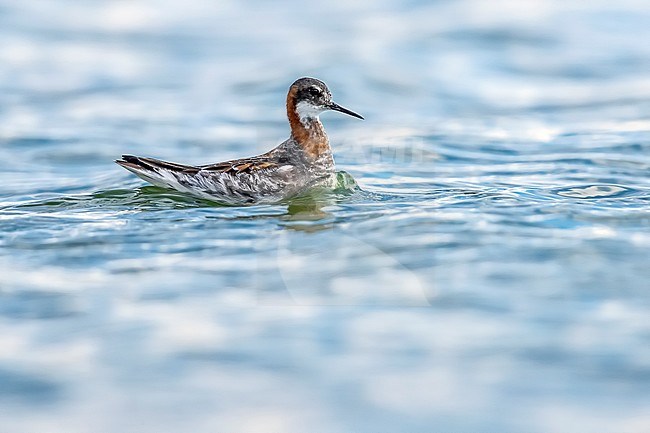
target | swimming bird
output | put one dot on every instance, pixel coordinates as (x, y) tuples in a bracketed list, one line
[(301, 162)]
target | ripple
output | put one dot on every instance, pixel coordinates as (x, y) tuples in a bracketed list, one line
[(142, 198), (18, 386), (595, 191), (500, 186)]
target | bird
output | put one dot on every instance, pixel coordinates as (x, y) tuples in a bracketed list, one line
[(301, 162)]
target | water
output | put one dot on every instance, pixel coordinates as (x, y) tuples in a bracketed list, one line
[(482, 265)]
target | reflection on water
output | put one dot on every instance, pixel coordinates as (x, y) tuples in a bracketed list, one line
[(593, 191), (480, 266), (377, 278)]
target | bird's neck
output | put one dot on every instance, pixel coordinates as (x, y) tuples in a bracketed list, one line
[(308, 132)]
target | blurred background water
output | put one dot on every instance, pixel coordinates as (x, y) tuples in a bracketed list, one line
[(482, 267)]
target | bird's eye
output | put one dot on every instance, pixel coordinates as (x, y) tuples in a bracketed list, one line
[(314, 91)]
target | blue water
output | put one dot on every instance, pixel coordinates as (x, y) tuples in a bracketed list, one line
[(482, 266)]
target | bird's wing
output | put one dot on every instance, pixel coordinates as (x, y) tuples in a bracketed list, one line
[(152, 164), (244, 165)]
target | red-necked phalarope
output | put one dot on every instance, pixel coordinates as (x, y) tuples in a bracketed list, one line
[(304, 160)]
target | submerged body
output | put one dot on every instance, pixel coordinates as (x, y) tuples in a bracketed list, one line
[(301, 162)]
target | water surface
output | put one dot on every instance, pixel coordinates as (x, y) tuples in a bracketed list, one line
[(482, 265)]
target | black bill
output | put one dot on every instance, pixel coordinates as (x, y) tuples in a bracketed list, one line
[(336, 107)]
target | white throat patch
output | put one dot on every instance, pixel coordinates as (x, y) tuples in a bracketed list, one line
[(307, 110)]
